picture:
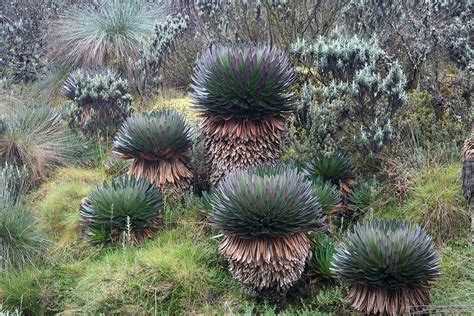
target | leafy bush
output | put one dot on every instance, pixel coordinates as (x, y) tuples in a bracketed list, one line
[(244, 94), (359, 98), (101, 101), (126, 209), (36, 138), (389, 265), (158, 143), (323, 252), (21, 38), (146, 72), (264, 213)]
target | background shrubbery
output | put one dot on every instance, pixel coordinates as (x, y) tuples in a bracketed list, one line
[(381, 104)]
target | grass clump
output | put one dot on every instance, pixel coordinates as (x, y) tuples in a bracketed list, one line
[(36, 138), (436, 203)]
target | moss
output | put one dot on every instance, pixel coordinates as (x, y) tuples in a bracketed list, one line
[(57, 202), (180, 103)]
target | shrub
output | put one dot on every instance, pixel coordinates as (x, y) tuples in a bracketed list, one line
[(389, 265), (323, 252), (146, 72), (158, 143), (36, 138), (244, 94), (101, 101), (103, 34), (359, 98), (264, 213), (126, 209), (21, 38)]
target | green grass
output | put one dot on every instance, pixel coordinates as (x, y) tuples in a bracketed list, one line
[(435, 201), (57, 202)]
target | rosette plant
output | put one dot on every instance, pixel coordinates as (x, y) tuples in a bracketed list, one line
[(264, 213), (159, 144), (388, 265), (125, 209), (335, 168), (243, 92)]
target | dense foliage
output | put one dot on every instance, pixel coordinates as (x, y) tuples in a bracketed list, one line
[(125, 209), (159, 142), (20, 241), (266, 201), (394, 259), (357, 104), (243, 81)]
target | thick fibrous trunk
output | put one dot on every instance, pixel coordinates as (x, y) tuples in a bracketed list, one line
[(173, 175), (468, 177), (267, 264), (234, 143), (371, 300)]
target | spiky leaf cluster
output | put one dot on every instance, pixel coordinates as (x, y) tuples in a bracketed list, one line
[(266, 201), (125, 206), (333, 168), (323, 253), (244, 81), (20, 241), (153, 136), (361, 196), (387, 254), (327, 193)]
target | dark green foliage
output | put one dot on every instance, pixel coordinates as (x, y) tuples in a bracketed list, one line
[(124, 208), (153, 136), (22, 42), (388, 254), (323, 252), (327, 193), (361, 196), (244, 81), (266, 201), (333, 168), (101, 100)]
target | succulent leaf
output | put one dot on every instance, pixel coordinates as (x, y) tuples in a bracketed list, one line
[(334, 168)]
